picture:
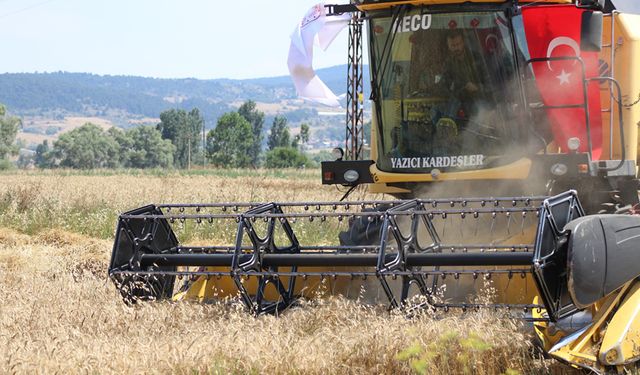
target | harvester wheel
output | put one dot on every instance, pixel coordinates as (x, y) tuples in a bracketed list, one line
[(363, 230)]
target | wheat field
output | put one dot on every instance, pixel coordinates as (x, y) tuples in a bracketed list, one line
[(59, 313)]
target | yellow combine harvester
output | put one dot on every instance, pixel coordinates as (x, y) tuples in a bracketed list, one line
[(530, 105)]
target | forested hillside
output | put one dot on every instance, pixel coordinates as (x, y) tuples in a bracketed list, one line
[(122, 98)]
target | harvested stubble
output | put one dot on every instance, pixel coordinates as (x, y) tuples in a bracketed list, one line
[(60, 314)]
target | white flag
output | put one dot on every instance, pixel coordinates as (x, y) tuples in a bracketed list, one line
[(316, 28)]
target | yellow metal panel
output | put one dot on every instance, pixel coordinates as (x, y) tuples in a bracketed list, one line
[(518, 170), (216, 288), (621, 342), (365, 7), (582, 350), (626, 44), (385, 189), (374, 134), (543, 329)]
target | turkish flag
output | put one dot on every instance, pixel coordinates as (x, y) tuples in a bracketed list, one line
[(554, 31)]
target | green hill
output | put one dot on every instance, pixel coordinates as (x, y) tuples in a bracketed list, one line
[(122, 99)]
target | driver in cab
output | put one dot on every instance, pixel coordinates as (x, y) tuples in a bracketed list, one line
[(461, 76), (462, 83)]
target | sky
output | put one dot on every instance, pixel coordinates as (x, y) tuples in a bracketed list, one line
[(629, 6), (202, 39)]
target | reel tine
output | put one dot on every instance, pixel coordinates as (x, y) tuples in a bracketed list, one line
[(332, 284), (444, 227), (278, 303), (476, 216), (493, 224), (349, 284), (303, 289)]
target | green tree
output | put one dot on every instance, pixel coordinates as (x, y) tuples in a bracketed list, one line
[(322, 155), (25, 159), (305, 132), (86, 147), (279, 135), (195, 128), (9, 126), (143, 147), (367, 131), (366, 152), (302, 137), (230, 143), (44, 156), (125, 144), (183, 129), (285, 157), (256, 119)]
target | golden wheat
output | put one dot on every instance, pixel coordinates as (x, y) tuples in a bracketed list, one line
[(60, 314)]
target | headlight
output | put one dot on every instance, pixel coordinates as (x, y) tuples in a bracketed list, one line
[(573, 143), (351, 175), (337, 153), (559, 169)]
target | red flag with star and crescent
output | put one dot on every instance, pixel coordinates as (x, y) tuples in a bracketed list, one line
[(554, 31)]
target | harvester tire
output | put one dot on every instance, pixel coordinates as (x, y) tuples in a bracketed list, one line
[(363, 230)]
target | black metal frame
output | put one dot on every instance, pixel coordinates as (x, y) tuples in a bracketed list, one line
[(406, 245), (147, 256), (354, 137), (134, 239), (354, 129), (262, 246), (550, 257)]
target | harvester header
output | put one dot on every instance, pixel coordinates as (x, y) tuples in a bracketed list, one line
[(413, 246)]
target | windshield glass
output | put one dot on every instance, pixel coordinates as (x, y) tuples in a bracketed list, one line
[(447, 91)]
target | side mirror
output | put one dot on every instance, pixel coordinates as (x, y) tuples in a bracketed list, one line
[(591, 31)]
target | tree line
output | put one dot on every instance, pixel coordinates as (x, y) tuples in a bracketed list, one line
[(237, 141), (9, 127)]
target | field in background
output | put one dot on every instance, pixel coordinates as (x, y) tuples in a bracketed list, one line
[(60, 313), (89, 202), (36, 130)]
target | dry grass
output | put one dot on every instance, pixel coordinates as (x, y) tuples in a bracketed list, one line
[(60, 314), (89, 204)]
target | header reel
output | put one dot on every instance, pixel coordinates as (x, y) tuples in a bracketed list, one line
[(445, 251)]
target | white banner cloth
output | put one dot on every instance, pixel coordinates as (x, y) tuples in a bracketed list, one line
[(315, 28)]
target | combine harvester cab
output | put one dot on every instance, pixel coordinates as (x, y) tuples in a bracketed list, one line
[(528, 103)]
